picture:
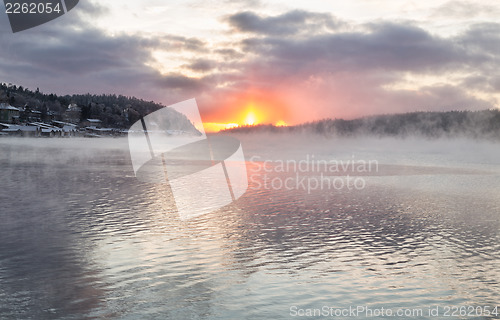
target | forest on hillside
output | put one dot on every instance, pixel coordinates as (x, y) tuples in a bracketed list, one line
[(119, 111), (115, 111), (473, 124)]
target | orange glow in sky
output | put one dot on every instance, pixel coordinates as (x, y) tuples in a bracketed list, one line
[(216, 127), (247, 109)]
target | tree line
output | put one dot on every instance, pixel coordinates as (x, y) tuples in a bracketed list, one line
[(113, 110), (474, 124)]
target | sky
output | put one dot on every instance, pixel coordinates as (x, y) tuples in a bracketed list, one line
[(279, 62)]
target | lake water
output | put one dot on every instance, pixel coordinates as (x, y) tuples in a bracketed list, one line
[(82, 238)]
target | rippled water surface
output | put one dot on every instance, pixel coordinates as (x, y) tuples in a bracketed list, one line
[(81, 238)]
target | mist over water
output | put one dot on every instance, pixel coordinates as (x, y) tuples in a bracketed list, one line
[(81, 237)]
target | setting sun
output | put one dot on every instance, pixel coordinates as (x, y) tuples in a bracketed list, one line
[(250, 119), (248, 109)]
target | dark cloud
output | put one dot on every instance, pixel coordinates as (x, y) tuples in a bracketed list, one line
[(483, 39), (386, 46), (351, 71), (289, 23), (180, 82), (229, 53), (80, 52), (305, 58), (485, 82), (179, 43), (71, 55), (201, 65)]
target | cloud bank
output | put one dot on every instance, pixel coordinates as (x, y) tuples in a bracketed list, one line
[(309, 65)]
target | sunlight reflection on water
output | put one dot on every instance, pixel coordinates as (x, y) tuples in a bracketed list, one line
[(80, 237)]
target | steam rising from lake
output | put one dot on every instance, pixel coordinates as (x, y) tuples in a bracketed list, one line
[(81, 237)]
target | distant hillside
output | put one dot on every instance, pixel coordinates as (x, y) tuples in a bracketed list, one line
[(475, 124), (114, 111)]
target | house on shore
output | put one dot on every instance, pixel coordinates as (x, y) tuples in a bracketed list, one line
[(47, 130), (27, 114), (56, 128), (68, 129), (19, 130), (9, 114), (96, 123), (72, 114)]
